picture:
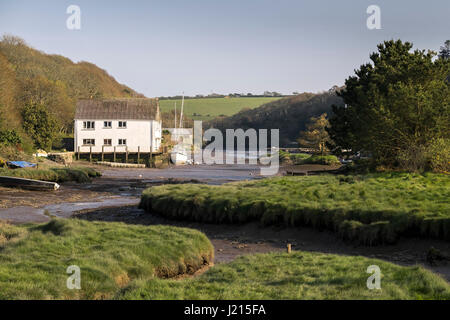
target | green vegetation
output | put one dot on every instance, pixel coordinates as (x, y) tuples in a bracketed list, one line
[(9, 138), (292, 158), (56, 174), (318, 159), (39, 125), (315, 135), (444, 52), (369, 209), (304, 158), (210, 108), (34, 258), (31, 79), (397, 109), (299, 275), (121, 261), (290, 115)]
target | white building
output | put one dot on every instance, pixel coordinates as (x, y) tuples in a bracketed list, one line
[(117, 125)]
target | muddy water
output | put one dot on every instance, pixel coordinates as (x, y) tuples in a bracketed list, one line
[(26, 214), (216, 174), (116, 187)]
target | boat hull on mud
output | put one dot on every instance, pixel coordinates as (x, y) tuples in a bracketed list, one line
[(29, 184)]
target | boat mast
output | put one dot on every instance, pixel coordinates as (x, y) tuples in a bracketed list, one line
[(175, 120), (181, 114)]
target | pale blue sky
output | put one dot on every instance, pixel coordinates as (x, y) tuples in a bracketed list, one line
[(203, 46)]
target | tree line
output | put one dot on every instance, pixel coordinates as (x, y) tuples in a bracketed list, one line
[(396, 110)]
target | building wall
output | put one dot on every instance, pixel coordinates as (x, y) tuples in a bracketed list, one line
[(138, 133)]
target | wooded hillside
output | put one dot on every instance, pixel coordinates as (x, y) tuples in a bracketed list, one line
[(290, 115), (29, 77)]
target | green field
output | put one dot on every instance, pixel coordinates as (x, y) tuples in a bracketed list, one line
[(299, 275), (369, 209), (34, 258), (210, 108)]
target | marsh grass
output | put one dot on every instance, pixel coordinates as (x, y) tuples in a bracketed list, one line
[(299, 275), (305, 158), (369, 209), (55, 174), (34, 258), (318, 159)]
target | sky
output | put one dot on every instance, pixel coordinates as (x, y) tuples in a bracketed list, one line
[(167, 47)]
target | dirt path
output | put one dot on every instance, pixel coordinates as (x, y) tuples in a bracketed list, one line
[(231, 241)]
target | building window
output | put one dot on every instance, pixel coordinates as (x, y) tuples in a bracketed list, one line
[(122, 142), (89, 125), (122, 124), (107, 124), (89, 142), (107, 142)]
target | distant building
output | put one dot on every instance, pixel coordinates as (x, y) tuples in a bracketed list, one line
[(127, 124)]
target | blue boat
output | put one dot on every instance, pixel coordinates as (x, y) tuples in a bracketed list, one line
[(20, 164)]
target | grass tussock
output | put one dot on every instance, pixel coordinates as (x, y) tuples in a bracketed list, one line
[(299, 275), (56, 174), (10, 233), (369, 209), (110, 255)]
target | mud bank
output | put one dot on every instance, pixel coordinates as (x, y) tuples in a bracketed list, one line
[(116, 187)]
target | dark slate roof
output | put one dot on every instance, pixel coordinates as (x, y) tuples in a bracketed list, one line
[(118, 109)]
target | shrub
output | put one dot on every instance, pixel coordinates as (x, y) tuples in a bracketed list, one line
[(439, 155), (326, 160), (10, 138)]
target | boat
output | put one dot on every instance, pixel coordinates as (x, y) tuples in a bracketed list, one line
[(20, 164), (178, 155), (29, 184), (178, 158)]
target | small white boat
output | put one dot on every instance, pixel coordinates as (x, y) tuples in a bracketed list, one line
[(178, 157), (179, 154)]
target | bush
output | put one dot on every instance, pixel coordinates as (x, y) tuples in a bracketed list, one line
[(10, 138), (326, 160), (439, 155), (304, 158)]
